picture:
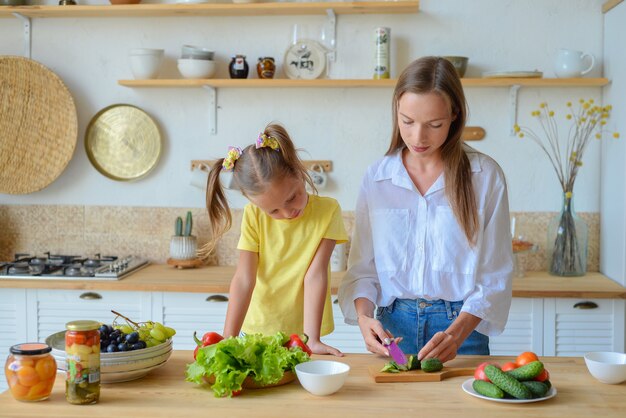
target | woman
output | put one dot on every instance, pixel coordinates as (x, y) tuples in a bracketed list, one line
[(431, 246)]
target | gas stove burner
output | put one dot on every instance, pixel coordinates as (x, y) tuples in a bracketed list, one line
[(70, 267), (19, 268)]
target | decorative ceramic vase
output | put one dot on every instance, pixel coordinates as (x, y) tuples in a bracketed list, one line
[(183, 247), (567, 242)]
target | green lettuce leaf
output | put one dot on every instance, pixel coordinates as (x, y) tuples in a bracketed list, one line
[(231, 360)]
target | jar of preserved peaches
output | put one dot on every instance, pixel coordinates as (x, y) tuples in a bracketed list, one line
[(82, 351), (30, 370)]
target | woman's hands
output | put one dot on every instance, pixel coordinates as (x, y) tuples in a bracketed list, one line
[(442, 346), (318, 347)]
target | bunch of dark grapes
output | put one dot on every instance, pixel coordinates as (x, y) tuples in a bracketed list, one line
[(114, 340)]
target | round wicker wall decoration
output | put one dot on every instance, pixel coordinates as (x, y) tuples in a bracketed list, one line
[(38, 126), (123, 142)]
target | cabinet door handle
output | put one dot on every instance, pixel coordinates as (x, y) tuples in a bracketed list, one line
[(217, 298), (90, 296), (336, 301), (586, 305)]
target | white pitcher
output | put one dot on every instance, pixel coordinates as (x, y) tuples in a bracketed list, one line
[(569, 63)]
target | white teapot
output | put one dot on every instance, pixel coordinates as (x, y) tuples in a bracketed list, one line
[(569, 63)]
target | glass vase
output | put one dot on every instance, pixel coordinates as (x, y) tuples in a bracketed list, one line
[(567, 241)]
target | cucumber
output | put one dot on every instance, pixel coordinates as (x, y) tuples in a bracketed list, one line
[(431, 365), (413, 363), (527, 371), (487, 389), (548, 384), (507, 383), (538, 389)]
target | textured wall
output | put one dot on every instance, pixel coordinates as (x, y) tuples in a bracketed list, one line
[(119, 230)]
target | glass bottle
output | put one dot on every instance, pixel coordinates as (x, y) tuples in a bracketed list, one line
[(30, 371), (82, 350), (567, 241), (238, 67)]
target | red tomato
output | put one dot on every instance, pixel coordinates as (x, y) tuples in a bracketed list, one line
[(543, 376), (237, 392), (211, 338), (509, 366), (525, 358), (479, 373)]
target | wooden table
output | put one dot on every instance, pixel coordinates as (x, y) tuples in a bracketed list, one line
[(164, 393), (216, 279)]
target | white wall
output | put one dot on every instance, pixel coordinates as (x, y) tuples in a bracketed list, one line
[(90, 56), (613, 203)]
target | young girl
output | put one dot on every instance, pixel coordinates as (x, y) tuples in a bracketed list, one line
[(431, 246), (287, 236)]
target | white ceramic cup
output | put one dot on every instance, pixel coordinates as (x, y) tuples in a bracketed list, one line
[(318, 176), (569, 63), (145, 63)]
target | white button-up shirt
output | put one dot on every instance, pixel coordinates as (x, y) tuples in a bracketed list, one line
[(410, 246)]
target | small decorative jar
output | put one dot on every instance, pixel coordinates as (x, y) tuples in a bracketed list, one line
[(266, 67), (30, 370), (82, 350), (238, 67)]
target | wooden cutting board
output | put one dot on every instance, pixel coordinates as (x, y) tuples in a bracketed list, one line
[(418, 375)]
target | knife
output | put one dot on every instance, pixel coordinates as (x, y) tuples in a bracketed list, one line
[(396, 352)]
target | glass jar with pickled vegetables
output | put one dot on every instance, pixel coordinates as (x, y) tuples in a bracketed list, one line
[(82, 351), (30, 370)]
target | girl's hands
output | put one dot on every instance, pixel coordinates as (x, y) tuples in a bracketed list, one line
[(318, 347)]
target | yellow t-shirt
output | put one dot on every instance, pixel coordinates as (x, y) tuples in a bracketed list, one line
[(286, 248)]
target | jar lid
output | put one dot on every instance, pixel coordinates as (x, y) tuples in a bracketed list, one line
[(30, 349), (82, 325)]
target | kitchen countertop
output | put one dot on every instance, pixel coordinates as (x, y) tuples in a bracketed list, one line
[(165, 393), (216, 279)]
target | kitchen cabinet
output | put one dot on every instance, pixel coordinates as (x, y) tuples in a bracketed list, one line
[(49, 310), (189, 312), (573, 327), (523, 331), (13, 325)]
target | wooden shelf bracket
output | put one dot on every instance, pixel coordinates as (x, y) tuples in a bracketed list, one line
[(513, 94), (27, 33), (205, 165)]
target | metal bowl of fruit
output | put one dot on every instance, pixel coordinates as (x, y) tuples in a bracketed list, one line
[(130, 359)]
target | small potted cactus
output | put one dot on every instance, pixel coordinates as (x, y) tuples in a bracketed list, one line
[(183, 245)]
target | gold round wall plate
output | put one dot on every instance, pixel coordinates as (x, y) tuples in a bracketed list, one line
[(123, 142)]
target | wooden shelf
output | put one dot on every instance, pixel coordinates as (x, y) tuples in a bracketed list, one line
[(212, 9), (275, 83)]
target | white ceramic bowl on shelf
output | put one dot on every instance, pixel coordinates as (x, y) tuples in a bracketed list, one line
[(607, 367), (193, 68), (322, 377), (145, 63)]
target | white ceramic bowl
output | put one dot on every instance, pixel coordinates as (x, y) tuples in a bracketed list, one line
[(193, 68), (322, 377), (607, 367), (146, 65), (196, 52)]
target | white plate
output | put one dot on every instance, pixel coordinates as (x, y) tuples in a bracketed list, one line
[(513, 74), (304, 60), (467, 387), (127, 376)]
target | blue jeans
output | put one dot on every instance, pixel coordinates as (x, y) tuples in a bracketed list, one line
[(417, 320)]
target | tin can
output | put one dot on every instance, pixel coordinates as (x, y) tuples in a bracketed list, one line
[(30, 370), (382, 38), (82, 350)]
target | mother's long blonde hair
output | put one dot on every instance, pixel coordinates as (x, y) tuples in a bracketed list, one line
[(437, 75)]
